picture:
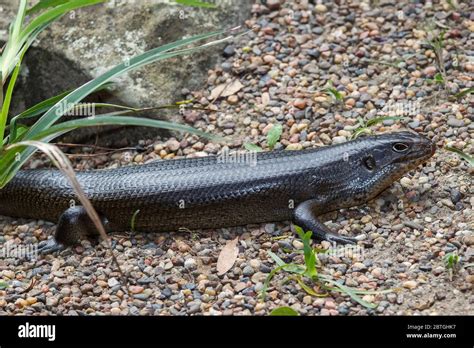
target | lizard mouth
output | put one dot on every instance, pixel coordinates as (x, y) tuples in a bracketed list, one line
[(423, 150)]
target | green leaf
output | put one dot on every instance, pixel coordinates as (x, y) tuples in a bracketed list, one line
[(134, 218), (451, 260), (365, 126), (143, 59), (309, 255), (461, 154), (284, 311), (360, 131), (347, 290), (306, 288), (464, 92), (17, 133), (195, 3), (252, 147), (276, 258), (334, 93), (44, 4), (17, 24), (10, 163), (294, 268), (19, 41), (38, 109), (45, 105), (288, 267), (3, 285), (53, 14), (263, 292), (108, 120), (378, 120), (274, 135), (8, 97), (438, 78)]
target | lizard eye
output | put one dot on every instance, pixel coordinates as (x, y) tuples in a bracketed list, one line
[(369, 162), (400, 147)]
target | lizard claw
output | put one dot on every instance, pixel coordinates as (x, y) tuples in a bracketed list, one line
[(50, 246), (340, 239)]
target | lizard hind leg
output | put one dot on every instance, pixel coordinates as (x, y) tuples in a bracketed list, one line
[(305, 216), (73, 225)]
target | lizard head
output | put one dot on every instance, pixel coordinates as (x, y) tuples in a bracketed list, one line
[(386, 158)]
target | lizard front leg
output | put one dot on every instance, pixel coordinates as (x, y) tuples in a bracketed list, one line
[(73, 225), (306, 216)]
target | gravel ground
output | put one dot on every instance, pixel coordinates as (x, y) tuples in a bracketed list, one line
[(376, 56)]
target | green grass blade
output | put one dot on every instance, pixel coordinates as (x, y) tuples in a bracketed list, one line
[(266, 284), (16, 134), (8, 97), (378, 120), (80, 93), (306, 288), (348, 291), (44, 4), (464, 92), (276, 258), (461, 154), (274, 135), (3, 285), (289, 267), (45, 105), (12, 46), (39, 109), (133, 221), (195, 3), (54, 13), (252, 147), (18, 23), (101, 120), (361, 131), (309, 255), (29, 33)]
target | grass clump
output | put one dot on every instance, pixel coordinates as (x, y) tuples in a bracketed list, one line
[(437, 43), (20, 140), (310, 279), (451, 263), (332, 91)]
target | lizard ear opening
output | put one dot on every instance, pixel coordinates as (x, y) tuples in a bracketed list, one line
[(369, 162)]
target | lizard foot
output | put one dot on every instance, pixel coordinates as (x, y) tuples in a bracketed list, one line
[(50, 246)]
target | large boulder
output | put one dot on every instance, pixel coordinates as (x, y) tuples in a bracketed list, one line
[(86, 42)]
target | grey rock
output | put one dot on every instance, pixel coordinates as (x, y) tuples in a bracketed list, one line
[(77, 51), (248, 271), (454, 122)]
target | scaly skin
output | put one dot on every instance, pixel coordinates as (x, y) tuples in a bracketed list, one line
[(206, 193)]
